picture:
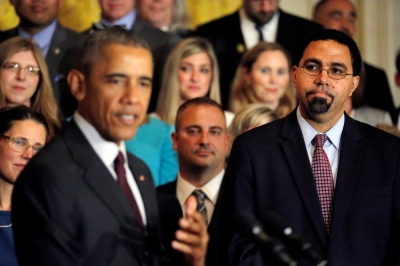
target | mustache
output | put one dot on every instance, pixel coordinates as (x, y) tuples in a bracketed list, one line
[(204, 148), (319, 91)]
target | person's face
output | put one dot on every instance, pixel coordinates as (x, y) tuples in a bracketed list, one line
[(322, 98), (338, 15), (269, 77), (34, 13), (194, 76), (19, 85), (112, 10), (12, 162), (115, 96), (157, 12), (260, 11), (201, 139)]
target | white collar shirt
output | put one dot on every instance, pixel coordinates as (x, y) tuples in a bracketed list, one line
[(107, 152)]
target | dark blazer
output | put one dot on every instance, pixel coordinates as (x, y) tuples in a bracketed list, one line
[(377, 91), (68, 210), (269, 169), (218, 228), (227, 39), (60, 60), (160, 43)]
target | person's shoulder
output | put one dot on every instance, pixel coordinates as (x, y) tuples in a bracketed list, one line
[(168, 188), (299, 21), (153, 34), (377, 136), (373, 70), (225, 21)]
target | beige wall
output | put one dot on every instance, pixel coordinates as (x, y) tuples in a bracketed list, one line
[(378, 32)]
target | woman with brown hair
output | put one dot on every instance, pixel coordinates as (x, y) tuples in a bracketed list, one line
[(24, 79)]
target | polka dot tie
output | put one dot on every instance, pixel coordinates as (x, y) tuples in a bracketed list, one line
[(201, 207), (323, 178)]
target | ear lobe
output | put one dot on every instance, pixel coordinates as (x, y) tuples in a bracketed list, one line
[(356, 80), (76, 82), (174, 138)]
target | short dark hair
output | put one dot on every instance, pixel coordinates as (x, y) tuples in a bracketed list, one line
[(336, 36), (10, 115), (398, 62), (196, 101), (93, 45)]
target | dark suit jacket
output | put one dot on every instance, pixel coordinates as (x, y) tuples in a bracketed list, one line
[(68, 210), (218, 228), (269, 169), (160, 43), (60, 60), (377, 91), (227, 39)]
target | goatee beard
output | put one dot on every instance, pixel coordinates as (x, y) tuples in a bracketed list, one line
[(319, 105)]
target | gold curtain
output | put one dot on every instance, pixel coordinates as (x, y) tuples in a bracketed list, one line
[(79, 15)]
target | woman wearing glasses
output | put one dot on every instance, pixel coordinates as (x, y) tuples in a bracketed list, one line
[(24, 79), (263, 76), (22, 134)]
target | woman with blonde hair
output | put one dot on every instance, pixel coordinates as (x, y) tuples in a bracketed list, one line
[(263, 76), (24, 79), (191, 71)]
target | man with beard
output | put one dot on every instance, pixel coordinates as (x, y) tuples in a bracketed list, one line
[(256, 20), (202, 144), (334, 180)]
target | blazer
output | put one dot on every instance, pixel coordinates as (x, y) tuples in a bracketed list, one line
[(60, 60), (68, 209), (219, 228), (269, 169), (160, 43), (227, 40)]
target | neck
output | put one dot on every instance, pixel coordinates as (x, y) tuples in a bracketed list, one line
[(322, 122), (5, 195), (199, 177), (32, 29)]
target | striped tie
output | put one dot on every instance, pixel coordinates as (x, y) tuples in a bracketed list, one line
[(201, 207)]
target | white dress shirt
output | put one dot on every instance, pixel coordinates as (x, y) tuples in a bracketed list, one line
[(108, 151), (251, 35), (331, 146), (184, 189)]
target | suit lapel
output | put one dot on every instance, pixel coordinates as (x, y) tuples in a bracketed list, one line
[(300, 167), (57, 48), (99, 179), (351, 154)]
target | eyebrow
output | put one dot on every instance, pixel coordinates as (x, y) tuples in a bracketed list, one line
[(331, 64)]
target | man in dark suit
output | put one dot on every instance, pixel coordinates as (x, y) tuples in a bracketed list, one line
[(124, 14), (38, 20), (233, 34), (342, 194), (68, 208), (342, 15), (202, 144)]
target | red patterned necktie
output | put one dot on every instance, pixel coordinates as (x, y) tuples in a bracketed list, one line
[(123, 183), (323, 178)]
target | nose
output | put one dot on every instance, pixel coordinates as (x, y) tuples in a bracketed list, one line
[(322, 78), (28, 153), (205, 138), (272, 77), (131, 94), (195, 75), (21, 74)]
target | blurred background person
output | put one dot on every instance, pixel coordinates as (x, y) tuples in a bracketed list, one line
[(22, 134), (167, 15), (342, 15), (24, 79), (38, 21), (263, 76), (251, 116), (191, 71)]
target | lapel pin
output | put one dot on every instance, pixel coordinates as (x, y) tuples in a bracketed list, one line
[(240, 48), (57, 51), (141, 178)]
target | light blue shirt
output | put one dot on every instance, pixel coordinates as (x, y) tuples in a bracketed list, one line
[(331, 146), (42, 38), (126, 21)]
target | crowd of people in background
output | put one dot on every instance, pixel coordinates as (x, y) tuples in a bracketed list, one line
[(140, 100)]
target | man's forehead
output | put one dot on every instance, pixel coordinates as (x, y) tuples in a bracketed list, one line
[(326, 48), (194, 115)]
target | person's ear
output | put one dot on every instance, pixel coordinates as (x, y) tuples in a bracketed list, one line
[(397, 79), (294, 74), (174, 138), (76, 82), (356, 80)]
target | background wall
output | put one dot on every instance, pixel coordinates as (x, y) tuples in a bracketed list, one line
[(377, 24)]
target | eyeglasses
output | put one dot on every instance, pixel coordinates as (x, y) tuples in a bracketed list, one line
[(333, 72), (15, 67), (21, 145)]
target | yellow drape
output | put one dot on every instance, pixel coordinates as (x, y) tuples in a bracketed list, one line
[(78, 15)]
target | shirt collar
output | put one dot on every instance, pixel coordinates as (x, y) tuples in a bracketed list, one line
[(211, 188), (106, 150), (126, 21), (334, 134), (41, 38)]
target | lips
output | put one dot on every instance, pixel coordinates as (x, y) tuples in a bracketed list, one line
[(38, 8), (127, 118), (194, 88), (19, 88)]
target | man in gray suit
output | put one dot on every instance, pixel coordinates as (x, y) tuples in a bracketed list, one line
[(38, 20), (85, 200)]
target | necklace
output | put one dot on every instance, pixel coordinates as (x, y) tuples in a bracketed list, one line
[(6, 226)]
